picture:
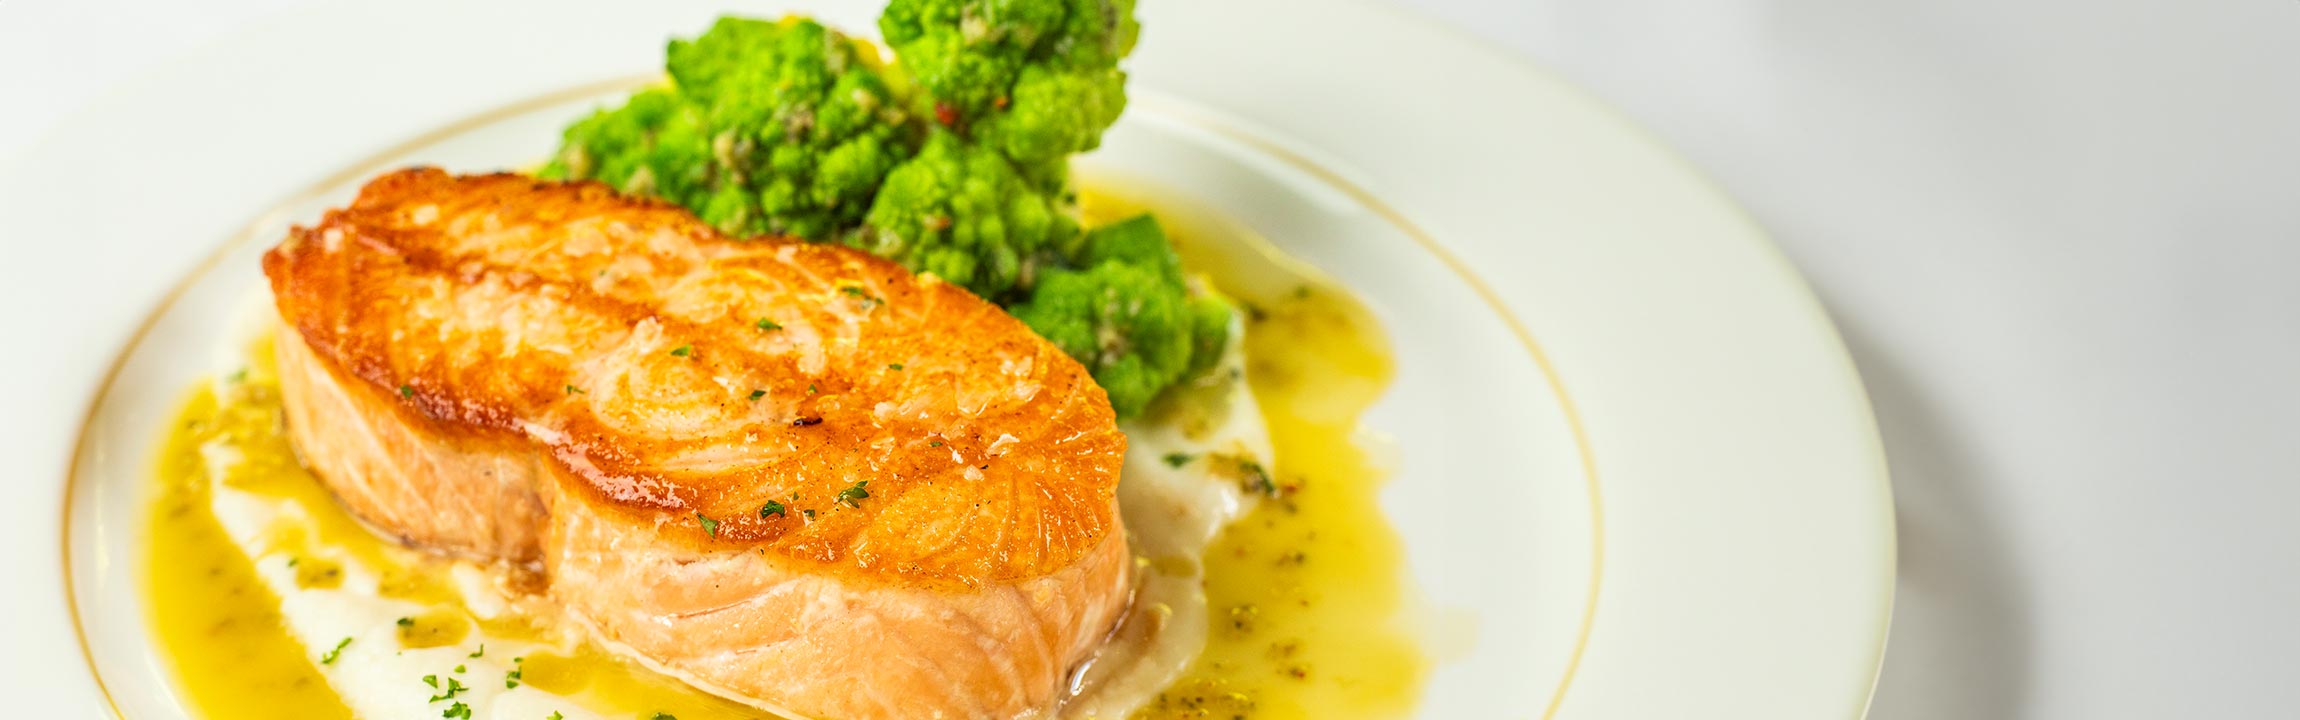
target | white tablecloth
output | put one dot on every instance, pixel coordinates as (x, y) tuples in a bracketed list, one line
[(2060, 236)]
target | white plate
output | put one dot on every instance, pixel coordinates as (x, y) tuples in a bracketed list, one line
[(1638, 476)]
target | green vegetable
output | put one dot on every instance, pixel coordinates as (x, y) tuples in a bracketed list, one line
[(968, 216), (1128, 315), (1037, 80), (769, 127), (952, 162)]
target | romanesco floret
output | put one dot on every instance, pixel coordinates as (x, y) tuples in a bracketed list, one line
[(1035, 79), (966, 215), (1129, 316), (789, 127), (780, 127), (653, 145)]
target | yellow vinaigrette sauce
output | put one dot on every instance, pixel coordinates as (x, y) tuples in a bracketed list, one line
[(1304, 592)]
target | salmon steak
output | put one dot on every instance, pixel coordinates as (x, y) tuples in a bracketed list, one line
[(796, 475)]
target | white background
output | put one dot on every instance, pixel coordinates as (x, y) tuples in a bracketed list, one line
[(2061, 238)]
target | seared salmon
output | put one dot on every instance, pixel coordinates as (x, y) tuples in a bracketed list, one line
[(794, 474)]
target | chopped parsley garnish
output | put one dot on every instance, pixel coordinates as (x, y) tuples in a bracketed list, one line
[(407, 391), (459, 711), (476, 653), (756, 394), (853, 496), (328, 658), (406, 622), (432, 680), (459, 668), (772, 508), (1177, 459), (765, 324), (511, 679), (894, 366), (556, 716), (809, 512), (454, 687), (710, 527), (1257, 479), (664, 716), (868, 301), (936, 443), (572, 390), (810, 388), (237, 375), (683, 350)]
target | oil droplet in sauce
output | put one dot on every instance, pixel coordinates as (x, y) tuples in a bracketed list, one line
[(439, 627)]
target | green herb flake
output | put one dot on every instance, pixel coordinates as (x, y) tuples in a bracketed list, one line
[(664, 716), (853, 496), (406, 391), (1257, 479), (432, 680), (868, 301), (937, 443), (710, 527), (479, 652), (459, 668), (459, 711), (556, 716), (454, 687), (809, 512), (756, 394), (766, 324), (328, 658), (894, 366), (1176, 460), (511, 679), (572, 390), (683, 350), (772, 508)]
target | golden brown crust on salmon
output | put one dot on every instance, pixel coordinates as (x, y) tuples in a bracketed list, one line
[(792, 474), (693, 385)]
